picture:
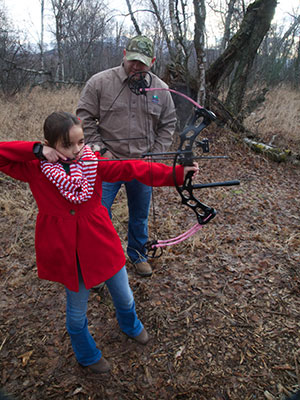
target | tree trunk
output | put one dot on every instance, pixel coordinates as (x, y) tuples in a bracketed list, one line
[(179, 55), (297, 66), (228, 19), (134, 21), (199, 43), (240, 53), (163, 28), (42, 34), (57, 6)]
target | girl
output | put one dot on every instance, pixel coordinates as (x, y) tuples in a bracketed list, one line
[(76, 243)]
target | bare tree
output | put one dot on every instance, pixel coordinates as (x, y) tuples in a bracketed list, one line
[(83, 47), (230, 14), (199, 43), (12, 58), (183, 46), (240, 53), (227, 24), (275, 61), (158, 14), (60, 10), (133, 19), (297, 65), (42, 34)]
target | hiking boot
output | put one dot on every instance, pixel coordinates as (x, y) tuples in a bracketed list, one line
[(143, 268), (99, 367), (142, 338)]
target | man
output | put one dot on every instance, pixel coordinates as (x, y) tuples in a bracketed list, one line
[(121, 124)]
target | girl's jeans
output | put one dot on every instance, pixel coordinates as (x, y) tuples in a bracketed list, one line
[(83, 344)]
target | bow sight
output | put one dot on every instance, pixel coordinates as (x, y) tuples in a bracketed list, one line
[(138, 82)]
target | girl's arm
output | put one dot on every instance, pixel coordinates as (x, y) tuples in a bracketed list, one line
[(17, 159), (149, 173)]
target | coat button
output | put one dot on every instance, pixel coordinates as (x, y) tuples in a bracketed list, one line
[(72, 212)]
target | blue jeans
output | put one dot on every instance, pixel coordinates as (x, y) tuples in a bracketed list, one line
[(138, 200), (83, 344)]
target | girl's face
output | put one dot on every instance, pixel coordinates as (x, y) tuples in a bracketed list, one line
[(74, 149)]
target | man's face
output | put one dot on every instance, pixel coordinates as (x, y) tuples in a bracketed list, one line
[(131, 67)]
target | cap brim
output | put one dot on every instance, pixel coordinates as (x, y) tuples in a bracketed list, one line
[(132, 56)]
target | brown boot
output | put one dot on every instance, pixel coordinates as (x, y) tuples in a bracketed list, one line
[(99, 367), (143, 337), (143, 268)]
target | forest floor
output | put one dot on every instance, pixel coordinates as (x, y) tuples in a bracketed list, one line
[(222, 308)]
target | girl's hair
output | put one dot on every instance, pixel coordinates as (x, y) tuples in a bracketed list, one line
[(57, 126)]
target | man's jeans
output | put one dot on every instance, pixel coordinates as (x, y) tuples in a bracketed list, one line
[(138, 199), (83, 343)]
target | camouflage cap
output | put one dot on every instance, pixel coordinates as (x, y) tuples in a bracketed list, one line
[(140, 48)]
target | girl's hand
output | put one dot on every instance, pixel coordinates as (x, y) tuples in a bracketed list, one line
[(194, 168), (52, 155)]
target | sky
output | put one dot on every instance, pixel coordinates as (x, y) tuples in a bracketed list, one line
[(25, 15)]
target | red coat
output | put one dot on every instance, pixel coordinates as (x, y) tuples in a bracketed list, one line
[(64, 229)]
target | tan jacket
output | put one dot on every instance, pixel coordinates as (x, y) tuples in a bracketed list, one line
[(127, 124)]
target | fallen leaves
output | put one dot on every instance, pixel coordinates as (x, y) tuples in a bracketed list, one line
[(26, 357)]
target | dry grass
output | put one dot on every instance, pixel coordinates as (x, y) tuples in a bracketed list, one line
[(22, 117), (277, 120)]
